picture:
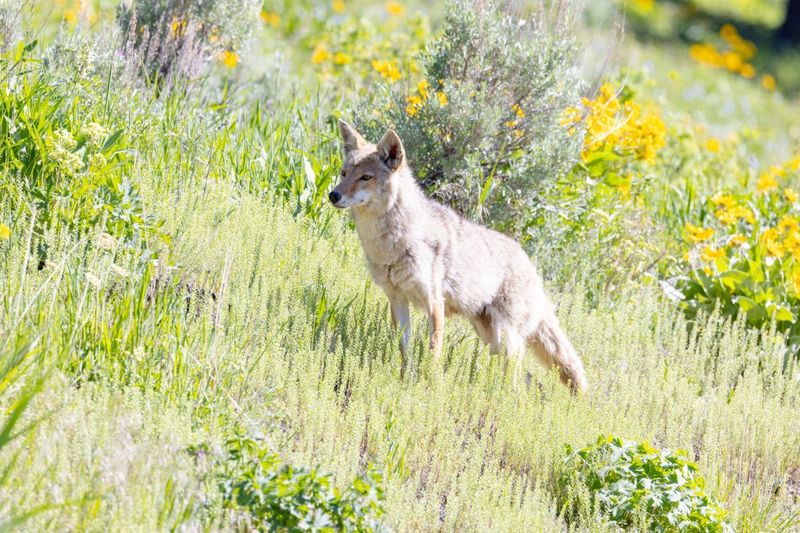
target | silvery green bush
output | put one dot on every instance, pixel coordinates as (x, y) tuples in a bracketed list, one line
[(481, 129), (168, 38)]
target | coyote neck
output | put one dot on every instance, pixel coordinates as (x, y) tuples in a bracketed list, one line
[(385, 230)]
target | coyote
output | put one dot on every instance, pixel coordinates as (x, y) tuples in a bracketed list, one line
[(423, 253)]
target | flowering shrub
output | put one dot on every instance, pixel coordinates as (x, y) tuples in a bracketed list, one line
[(170, 39), (481, 124), (744, 254), (598, 200), (635, 485)]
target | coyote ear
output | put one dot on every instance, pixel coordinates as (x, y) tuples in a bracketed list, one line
[(390, 149), (352, 139)]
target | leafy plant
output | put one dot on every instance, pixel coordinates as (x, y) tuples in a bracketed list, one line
[(60, 160), (632, 483), (281, 497), (743, 255)]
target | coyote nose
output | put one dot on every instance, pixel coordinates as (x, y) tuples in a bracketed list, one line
[(334, 196)]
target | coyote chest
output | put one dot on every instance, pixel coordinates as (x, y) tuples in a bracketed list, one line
[(394, 262)]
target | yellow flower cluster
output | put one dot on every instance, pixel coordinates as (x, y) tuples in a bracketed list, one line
[(783, 238), (734, 58), (271, 18), (616, 124), (729, 211), (417, 101), (768, 180), (387, 69), (698, 234)]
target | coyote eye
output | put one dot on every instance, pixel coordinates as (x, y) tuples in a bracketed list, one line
[(343, 172), (365, 177)]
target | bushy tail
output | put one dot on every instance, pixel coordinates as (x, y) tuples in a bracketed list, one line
[(553, 348)]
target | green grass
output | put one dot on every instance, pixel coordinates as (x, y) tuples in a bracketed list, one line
[(461, 448), (258, 316)]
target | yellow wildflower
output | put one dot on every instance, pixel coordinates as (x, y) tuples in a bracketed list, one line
[(698, 234), (396, 9), (705, 54), (340, 58), (422, 88), (734, 214), (71, 16), (776, 170), (415, 103), (747, 71), (723, 200), (792, 243), (510, 124), (787, 224), (387, 69), (712, 145), (711, 254), (271, 18), (729, 33), (732, 61), (320, 53), (794, 164), (518, 110), (737, 240), (770, 239), (790, 195), (624, 186), (768, 82), (5, 232), (177, 28), (796, 281), (338, 6), (229, 58), (766, 182), (442, 98)]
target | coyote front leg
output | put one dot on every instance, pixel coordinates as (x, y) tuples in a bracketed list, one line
[(436, 319), (401, 320)]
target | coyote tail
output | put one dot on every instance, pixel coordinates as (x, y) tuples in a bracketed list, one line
[(553, 348)]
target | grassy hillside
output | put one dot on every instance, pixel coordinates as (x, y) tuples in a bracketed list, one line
[(192, 288)]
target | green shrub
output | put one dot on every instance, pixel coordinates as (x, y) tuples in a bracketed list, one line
[(481, 128), (280, 497), (632, 484)]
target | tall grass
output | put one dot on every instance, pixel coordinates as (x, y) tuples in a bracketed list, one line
[(255, 314), (295, 345)]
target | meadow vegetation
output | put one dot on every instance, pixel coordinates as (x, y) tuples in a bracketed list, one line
[(189, 339)]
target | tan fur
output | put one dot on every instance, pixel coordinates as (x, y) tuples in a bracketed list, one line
[(424, 254)]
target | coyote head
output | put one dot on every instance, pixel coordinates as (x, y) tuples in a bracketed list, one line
[(367, 169)]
